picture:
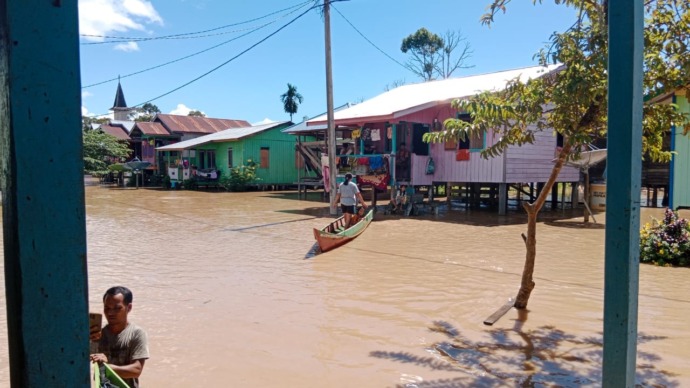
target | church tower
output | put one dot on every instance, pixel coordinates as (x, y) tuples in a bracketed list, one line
[(120, 109)]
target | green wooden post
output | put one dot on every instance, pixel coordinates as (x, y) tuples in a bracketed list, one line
[(622, 199), (43, 194)]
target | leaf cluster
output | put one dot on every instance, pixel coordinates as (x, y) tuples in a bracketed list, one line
[(102, 150), (240, 176), (145, 112), (432, 55)]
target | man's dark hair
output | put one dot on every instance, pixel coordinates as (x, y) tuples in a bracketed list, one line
[(126, 293)]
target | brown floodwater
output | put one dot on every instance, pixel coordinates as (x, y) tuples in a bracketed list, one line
[(231, 294)]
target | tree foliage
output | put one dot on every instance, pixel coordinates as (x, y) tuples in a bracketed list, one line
[(572, 100), (102, 150), (145, 112), (291, 100), (196, 113), (432, 56)]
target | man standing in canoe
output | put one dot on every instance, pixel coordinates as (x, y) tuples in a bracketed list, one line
[(348, 195), (122, 345)]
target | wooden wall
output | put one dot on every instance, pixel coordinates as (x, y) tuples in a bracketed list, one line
[(529, 163), (534, 162)]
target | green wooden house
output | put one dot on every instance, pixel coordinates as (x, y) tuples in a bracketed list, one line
[(266, 145)]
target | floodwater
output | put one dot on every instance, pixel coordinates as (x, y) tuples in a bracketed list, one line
[(228, 288)]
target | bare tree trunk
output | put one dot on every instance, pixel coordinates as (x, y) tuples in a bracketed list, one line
[(532, 209)]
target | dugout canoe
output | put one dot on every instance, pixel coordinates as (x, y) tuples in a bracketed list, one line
[(335, 234)]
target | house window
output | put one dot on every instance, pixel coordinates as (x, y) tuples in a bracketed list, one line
[(264, 157), (559, 139), (211, 159), (474, 143), (207, 159), (229, 157)]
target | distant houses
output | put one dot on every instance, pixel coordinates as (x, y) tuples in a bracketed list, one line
[(272, 151), (167, 129)]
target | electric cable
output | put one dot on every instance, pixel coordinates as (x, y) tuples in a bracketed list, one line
[(183, 35)]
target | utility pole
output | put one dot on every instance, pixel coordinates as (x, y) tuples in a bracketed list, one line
[(330, 134)]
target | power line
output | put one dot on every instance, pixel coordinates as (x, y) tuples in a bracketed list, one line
[(187, 34), (226, 62), (190, 55), (367, 39)]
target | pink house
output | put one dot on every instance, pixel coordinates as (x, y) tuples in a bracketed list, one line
[(403, 115)]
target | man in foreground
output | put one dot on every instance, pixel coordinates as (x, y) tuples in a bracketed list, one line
[(122, 345)]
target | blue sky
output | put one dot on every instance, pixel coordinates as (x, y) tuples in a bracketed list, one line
[(249, 87)]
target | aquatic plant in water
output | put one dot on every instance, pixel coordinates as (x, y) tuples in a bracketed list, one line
[(666, 242)]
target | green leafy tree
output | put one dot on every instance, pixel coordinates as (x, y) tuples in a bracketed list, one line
[(102, 150), (572, 101), (145, 112), (425, 48), (196, 113), (291, 100)]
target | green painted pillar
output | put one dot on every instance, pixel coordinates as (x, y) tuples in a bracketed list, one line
[(623, 198), (41, 177)]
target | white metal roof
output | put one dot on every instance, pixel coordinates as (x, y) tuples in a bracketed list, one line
[(231, 134), (302, 127), (408, 99)]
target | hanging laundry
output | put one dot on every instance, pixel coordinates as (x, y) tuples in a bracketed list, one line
[(375, 134), (389, 133), (366, 134)]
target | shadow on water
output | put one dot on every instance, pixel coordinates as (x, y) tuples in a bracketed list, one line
[(313, 252), (545, 356)]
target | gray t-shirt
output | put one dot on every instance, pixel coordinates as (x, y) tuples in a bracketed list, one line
[(124, 348), (348, 193)]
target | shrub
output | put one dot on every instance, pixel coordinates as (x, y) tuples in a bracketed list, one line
[(189, 184), (239, 177), (666, 242)]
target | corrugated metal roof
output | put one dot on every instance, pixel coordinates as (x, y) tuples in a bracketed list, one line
[(302, 127), (196, 124), (408, 99), (231, 134), (116, 131), (152, 129), (128, 125)]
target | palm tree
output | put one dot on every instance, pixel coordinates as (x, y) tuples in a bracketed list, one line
[(291, 99)]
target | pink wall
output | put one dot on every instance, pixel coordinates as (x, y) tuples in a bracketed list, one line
[(529, 163)]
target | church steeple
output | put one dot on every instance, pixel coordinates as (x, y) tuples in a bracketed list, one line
[(120, 109)]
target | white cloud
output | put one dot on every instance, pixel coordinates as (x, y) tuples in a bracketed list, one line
[(104, 17), (127, 47), (182, 110), (85, 112), (86, 94), (265, 121)]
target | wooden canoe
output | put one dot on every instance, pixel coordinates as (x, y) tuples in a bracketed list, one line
[(335, 234)]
